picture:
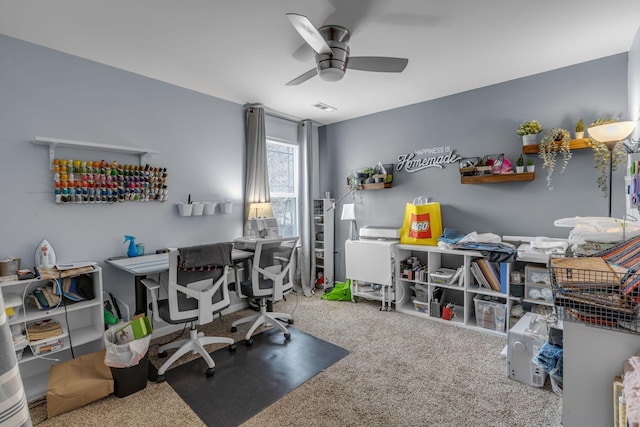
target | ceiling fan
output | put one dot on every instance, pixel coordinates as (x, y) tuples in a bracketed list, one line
[(330, 44)]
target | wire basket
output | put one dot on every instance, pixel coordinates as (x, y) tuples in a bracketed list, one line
[(590, 291)]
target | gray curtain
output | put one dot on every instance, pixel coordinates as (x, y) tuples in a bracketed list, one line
[(257, 174), (305, 138)]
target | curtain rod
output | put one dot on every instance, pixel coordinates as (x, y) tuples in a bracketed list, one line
[(276, 114)]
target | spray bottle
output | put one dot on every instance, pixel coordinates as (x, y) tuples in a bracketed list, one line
[(133, 250)]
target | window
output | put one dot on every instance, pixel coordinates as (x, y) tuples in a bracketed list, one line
[(282, 162)]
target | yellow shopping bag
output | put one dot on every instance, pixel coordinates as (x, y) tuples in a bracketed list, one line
[(422, 223)]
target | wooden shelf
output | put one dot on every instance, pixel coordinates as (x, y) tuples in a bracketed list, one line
[(575, 144), (508, 177), (374, 186)]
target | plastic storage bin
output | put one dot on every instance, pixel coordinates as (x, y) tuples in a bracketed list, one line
[(422, 307), (490, 314)]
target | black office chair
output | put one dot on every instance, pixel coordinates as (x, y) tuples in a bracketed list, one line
[(270, 279), (197, 291)]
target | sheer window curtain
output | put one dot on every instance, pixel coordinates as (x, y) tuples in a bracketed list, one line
[(257, 174)]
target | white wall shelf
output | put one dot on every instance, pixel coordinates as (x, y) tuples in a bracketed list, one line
[(53, 143)]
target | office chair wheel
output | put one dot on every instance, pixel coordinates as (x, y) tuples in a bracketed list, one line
[(160, 379), (234, 329), (210, 372), (287, 336), (162, 354), (248, 342), (232, 348)]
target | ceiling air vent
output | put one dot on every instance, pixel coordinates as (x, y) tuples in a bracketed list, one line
[(324, 107)]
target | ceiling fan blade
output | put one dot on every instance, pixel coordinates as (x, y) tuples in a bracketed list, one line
[(303, 77), (309, 33), (382, 64)]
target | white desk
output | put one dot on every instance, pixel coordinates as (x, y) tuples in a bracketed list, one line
[(143, 265)]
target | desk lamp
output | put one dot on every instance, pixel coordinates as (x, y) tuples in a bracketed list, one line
[(610, 134), (259, 210), (349, 214)]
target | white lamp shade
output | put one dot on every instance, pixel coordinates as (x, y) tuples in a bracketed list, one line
[(612, 132), (348, 212), (260, 210)]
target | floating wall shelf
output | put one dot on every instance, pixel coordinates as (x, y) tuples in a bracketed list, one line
[(374, 186), (575, 144), (510, 177), (52, 143)]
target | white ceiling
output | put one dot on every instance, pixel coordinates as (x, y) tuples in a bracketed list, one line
[(242, 50)]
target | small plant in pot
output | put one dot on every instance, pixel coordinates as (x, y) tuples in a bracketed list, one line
[(520, 164), (555, 141), (580, 129), (530, 166), (529, 131)]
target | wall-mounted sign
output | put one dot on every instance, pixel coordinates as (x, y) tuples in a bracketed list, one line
[(431, 157)]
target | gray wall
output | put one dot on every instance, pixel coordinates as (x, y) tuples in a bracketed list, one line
[(475, 123), (200, 140)]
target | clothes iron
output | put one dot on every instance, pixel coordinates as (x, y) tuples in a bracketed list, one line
[(45, 256)]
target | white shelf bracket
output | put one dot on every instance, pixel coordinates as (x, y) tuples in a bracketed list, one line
[(52, 154)]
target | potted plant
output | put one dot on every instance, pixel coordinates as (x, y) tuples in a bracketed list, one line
[(530, 166), (520, 164), (580, 129), (602, 154), (529, 131), (555, 141)]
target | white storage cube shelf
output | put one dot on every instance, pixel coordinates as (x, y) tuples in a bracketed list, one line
[(82, 324), (432, 277)]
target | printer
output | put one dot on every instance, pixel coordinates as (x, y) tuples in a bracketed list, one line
[(371, 232)]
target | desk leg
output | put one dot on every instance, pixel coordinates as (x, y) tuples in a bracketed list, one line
[(141, 296)]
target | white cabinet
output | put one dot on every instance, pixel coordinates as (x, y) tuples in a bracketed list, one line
[(323, 242), (370, 266), (82, 323), (473, 306)]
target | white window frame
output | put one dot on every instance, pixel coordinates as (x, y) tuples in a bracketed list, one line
[(296, 177)]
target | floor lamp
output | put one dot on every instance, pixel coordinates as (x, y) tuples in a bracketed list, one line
[(610, 134), (349, 214)]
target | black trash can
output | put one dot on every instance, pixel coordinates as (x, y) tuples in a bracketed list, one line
[(127, 381)]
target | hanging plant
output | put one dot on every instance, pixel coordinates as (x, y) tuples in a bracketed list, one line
[(601, 155), (555, 141)]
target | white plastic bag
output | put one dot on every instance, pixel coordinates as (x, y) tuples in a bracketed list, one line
[(123, 355)]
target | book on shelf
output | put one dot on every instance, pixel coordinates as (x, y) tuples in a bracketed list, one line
[(489, 273), (505, 276), (477, 274)]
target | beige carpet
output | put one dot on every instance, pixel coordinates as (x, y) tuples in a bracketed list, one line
[(401, 371)]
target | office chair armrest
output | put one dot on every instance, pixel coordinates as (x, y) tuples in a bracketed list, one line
[(153, 288)]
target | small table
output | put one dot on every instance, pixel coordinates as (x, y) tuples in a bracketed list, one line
[(141, 266)]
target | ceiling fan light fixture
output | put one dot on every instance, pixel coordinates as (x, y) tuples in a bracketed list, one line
[(331, 74), (324, 107)]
